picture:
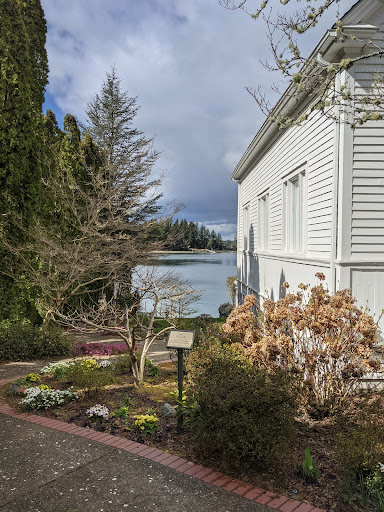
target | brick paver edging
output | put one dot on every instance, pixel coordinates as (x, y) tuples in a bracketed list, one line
[(261, 496)]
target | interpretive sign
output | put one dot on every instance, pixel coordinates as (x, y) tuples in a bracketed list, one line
[(180, 339)]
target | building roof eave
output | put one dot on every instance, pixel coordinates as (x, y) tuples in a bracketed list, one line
[(328, 48)]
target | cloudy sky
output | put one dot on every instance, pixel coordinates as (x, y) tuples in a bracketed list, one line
[(188, 61)]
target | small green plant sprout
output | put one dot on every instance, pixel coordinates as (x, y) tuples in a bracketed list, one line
[(122, 412), (147, 423), (186, 411), (33, 377), (128, 401), (175, 394), (153, 369), (310, 471)]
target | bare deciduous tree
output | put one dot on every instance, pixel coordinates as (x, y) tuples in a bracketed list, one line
[(312, 75), (101, 248), (131, 313)]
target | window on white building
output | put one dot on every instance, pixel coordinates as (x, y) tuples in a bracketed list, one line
[(295, 212), (263, 222), (246, 228)]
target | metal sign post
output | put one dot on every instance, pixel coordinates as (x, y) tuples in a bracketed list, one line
[(180, 340)]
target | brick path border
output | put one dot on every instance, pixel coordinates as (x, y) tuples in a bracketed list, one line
[(248, 491)]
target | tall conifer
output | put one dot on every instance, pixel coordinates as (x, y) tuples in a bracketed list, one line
[(23, 77)]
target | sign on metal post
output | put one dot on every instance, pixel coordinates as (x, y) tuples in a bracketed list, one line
[(180, 340)]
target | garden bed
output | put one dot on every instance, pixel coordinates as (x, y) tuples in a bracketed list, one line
[(281, 478)]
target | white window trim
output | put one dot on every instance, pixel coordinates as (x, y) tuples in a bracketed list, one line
[(246, 227), (287, 192), (263, 224)]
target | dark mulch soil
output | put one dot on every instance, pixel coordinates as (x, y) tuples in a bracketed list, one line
[(285, 479)]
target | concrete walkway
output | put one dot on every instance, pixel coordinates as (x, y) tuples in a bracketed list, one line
[(157, 353), (48, 470), (51, 466)]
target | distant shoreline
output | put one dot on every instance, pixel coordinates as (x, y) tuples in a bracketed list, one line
[(195, 251)]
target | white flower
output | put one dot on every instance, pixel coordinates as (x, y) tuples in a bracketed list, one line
[(104, 363), (98, 411), (51, 367), (36, 398)]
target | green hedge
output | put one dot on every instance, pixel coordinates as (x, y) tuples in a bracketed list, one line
[(243, 413), (23, 342)]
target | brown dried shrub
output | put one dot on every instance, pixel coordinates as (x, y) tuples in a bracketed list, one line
[(324, 339)]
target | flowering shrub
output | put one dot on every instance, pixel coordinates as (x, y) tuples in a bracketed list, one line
[(89, 364), (87, 374), (36, 398), (32, 377), (242, 322), (148, 423), (16, 389), (98, 412), (324, 339), (57, 370), (99, 349)]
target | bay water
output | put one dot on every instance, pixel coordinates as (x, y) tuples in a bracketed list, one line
[(206, 272)]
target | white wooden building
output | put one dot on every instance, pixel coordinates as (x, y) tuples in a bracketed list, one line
[(311, 197)]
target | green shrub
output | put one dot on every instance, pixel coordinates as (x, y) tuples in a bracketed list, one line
[(87, 374), (225, 309), (124, 363), (23, 342), (242, 412), (53, 342), (153, 369), (359, 435)]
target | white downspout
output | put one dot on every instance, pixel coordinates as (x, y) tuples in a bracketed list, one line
[(335, 192), (335, 180)]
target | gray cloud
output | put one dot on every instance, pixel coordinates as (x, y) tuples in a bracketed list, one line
[(188, 62)]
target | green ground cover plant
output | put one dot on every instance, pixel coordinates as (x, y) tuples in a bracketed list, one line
[(359, 446)]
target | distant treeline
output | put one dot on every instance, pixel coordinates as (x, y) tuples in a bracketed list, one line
[(182, 235)]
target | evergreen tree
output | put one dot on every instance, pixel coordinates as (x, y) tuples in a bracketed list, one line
[(22, 82), (23, 77), (127, 152)]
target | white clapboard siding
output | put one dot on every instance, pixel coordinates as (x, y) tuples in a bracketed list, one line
[(308, 147), (367, 219), (368, 287), (367, 227)]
